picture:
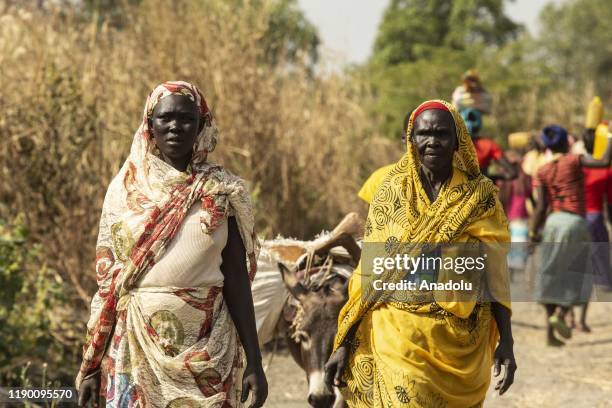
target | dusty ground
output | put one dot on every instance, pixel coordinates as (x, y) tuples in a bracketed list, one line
[(578, 375)]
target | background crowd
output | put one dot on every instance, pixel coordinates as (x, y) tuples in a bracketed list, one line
[(73, 78)]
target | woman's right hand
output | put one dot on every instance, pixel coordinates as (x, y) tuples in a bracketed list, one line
[(90, 388), (334, 368)]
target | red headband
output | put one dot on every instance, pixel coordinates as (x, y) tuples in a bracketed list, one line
[(428, 106)]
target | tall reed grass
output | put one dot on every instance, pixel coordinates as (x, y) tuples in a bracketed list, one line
[(72, 91)]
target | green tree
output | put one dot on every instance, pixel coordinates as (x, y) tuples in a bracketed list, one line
[(29, 294), (411, 29), (576, 40), (422, 47), (290, 35)]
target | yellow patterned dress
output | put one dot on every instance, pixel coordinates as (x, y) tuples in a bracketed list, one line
[(427, 352), (367, 191)]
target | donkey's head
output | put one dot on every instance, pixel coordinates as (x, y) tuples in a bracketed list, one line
[(312, 313)]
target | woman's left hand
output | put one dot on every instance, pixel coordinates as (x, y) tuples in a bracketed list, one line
[(254, 379), (533, 241), (504, 356)]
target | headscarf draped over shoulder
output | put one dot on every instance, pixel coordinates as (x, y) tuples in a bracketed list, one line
[(401, 212), (143, 209)]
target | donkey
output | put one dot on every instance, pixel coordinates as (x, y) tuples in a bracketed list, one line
[(311, 319), (317, 292)]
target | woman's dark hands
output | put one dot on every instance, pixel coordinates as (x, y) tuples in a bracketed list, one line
[(334, 368), (90, 388), (504, 356), (239, 299), (254, 379), (533, 241)]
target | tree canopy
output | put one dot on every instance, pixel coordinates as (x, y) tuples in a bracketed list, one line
[(290, 34), (411, 29), (576, 38), (422, 47)]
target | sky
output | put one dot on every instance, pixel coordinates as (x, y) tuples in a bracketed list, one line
[(348, 27)]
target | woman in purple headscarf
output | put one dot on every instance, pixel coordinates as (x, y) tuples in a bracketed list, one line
[(564, 279)]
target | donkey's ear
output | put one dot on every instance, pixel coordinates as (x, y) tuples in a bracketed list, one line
[(339, 286), (345, 286), (292, 283)]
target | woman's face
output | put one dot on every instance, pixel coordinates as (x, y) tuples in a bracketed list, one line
[(435, 139), (175, 124)]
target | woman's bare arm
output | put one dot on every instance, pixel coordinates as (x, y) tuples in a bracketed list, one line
[(237, 291), (335, 366), (539, 215), (510, 172), (588, 161), (504, 354), (239, 300), (344, 240)]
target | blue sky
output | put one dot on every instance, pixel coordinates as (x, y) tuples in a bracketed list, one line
[(348, 27)]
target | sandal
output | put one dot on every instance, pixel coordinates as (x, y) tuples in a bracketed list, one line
[(560, 327), (555, 342)]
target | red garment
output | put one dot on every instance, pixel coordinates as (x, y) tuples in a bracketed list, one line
[(564, 184), (427, 106), (514, 194), (486, 150), (597, 185)]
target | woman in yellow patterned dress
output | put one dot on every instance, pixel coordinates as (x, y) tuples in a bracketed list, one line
[(428, 351)]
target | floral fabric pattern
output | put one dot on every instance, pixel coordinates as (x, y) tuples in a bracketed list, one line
[(143, 210)]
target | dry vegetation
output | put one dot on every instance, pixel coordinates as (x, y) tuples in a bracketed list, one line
[(71, 96), (72, 90)]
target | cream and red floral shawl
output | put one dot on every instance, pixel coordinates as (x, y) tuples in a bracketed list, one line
[(143, 209)]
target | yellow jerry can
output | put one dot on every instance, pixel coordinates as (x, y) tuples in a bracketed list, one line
[(518, 140), (594, 113), (601, 140)]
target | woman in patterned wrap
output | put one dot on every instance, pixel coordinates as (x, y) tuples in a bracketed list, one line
[(424, 349), (564, 277), (173, 314)]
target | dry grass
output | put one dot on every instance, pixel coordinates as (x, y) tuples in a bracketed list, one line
[(71, 95)]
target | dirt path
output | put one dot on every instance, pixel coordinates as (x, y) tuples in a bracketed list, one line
[(577, 375)]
